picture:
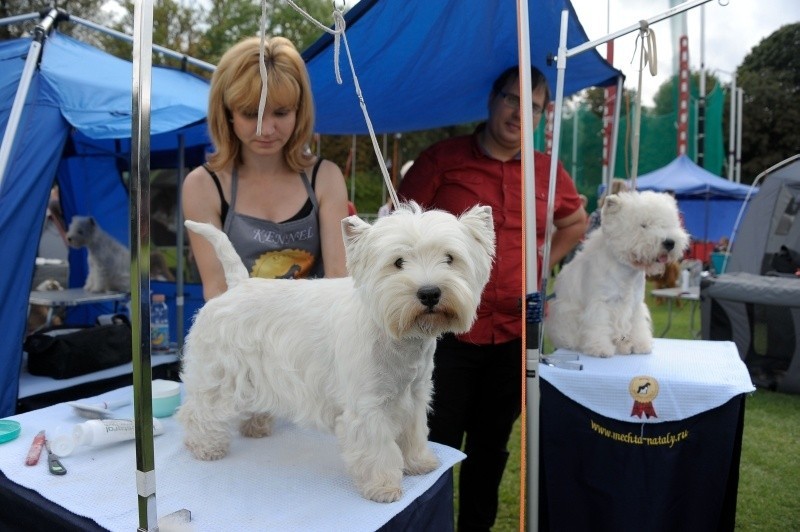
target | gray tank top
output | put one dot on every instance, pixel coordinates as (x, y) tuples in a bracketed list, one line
[(286, 250)]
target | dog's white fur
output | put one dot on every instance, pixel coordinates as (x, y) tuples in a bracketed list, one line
[(351, 355), (599, 306), (109, 261)]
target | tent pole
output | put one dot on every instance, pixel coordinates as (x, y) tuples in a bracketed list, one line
[(179, 235), (612, 155), (140, 264), (530, 355), (19, 18), (31, 62), (153, 47)]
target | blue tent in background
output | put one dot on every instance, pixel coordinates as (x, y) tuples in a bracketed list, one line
[(426, 64), (76, 128), (709, 203)]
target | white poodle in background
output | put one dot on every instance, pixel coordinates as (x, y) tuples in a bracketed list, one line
[(599, 306), (353, 356)]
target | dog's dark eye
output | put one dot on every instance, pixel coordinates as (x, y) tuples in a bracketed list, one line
[(449, 259), (399, 263)]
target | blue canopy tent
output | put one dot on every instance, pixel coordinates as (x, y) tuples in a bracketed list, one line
[(425, 64), (76, 127), (709, 203)]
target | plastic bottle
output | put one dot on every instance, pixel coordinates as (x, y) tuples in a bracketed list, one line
[(98, 432), (159, 323)]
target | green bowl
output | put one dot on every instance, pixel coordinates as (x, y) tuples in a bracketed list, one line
[(9, 430)]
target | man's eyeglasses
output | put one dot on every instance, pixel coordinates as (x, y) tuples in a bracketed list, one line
[(512, 101)]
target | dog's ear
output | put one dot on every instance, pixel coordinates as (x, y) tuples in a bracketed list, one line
[(612, 204), (480, 224), (352, 228)]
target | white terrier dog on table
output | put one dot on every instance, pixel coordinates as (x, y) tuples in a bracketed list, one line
[(353, 355), (599, 306)]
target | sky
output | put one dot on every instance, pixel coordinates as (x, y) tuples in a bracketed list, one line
[(731, 32)]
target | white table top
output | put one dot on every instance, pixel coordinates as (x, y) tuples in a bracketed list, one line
[(692, 293), (679, 379), (291, 480), (72, 297)]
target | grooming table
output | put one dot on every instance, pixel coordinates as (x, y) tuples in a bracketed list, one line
[(36, 391), (646, 442), (291, 480), (71, 297)]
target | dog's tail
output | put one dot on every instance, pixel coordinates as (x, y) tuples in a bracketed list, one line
[(231, 262)]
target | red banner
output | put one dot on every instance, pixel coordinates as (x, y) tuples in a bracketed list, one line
[(683, 96)]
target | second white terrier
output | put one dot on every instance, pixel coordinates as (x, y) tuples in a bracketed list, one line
[(351, 355), (599, 306)]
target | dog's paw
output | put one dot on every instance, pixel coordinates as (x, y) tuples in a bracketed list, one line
[(425, 462), (206, 452), (256, 426), (599, 350), (643, 347), (383, 493)]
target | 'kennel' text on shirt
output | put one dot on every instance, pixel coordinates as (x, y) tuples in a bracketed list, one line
[(282, 238)]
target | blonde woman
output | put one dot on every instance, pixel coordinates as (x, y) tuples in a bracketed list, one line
[(280, 206)]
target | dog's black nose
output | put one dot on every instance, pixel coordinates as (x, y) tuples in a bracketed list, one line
[(669, 244), (429, 295)]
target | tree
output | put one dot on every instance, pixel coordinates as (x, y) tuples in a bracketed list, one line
[(770, 77)]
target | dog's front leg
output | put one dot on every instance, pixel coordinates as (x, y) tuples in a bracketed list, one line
[(371, 454), (641, 330), (413, 442), (597, 330)]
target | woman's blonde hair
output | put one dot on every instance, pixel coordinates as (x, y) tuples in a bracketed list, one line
[(236, 86)]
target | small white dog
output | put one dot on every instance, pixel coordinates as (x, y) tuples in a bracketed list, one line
[(599, 306), (109, 261), (352, 355)]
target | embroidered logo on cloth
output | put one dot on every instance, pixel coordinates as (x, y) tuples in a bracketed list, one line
[(644, 390)]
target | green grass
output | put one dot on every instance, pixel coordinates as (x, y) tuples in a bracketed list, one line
[(769, 481)]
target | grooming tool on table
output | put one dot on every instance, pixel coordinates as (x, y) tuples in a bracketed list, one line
[(98, 410), (53, 464), (36, 449)]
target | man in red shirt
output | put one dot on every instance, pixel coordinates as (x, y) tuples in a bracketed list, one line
[(477, 376)]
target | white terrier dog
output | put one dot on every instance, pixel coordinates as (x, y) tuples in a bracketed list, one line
[(109, 261), (599, 306), (352, 355)]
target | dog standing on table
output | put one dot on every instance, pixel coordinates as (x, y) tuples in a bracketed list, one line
[(352, 355), (109, 261), (599, 306)]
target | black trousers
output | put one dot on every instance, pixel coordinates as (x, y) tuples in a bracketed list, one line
[(477, 398)]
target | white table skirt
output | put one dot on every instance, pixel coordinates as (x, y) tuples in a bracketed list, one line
[(291, 480)]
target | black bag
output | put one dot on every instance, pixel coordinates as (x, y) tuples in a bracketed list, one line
[(64, 353)]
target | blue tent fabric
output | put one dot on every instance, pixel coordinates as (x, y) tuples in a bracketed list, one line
[(414, 75), (709, 203), (76, 128)]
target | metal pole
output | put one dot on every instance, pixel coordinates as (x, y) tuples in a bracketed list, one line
[(612, 156), (732, 128), (140, 263), (160, 49), (575, 144), (635, 27), (179, 236), (31, 62), (18, 18), (531, 393), (701, 102), (739, 111)]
